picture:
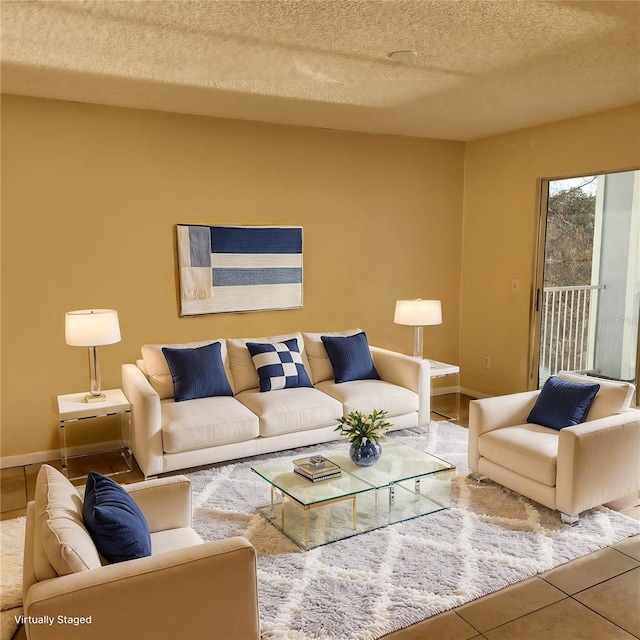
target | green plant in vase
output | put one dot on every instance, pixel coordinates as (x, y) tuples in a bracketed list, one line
[(364, 432)]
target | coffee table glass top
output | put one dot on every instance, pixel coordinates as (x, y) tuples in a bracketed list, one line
[(403, 484), (279, 473), (398, 463)]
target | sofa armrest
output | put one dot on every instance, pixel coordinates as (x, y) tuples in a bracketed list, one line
[(164, 502), (204, 591), (408, 372), (496, 412), (146, 436), (598, 461)]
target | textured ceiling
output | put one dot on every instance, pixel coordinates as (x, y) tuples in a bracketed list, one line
[(484, 67)]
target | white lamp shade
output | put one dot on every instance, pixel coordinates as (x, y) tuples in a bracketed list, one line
[(92, 327), (418, 313)]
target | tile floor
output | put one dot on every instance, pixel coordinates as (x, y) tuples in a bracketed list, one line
[(596, 597)]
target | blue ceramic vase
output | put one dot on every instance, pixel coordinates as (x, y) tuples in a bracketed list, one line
[(365, 454)]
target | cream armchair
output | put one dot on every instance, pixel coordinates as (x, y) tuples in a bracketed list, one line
[(186, 589), (571, 470)]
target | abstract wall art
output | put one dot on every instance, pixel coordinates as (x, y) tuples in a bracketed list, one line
[(228, 269)]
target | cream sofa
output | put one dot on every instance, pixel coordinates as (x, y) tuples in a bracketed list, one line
[(169, 435), (186, 588), (571, 470)]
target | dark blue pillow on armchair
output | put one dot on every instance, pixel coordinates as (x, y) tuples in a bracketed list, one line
[(114, 521), (562, 404), (350, 357), (197, 372)]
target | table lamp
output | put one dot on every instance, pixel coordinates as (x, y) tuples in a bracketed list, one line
[(92, 328), (417, 314)]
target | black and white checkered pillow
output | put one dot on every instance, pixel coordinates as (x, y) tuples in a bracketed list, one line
[(279, 365)]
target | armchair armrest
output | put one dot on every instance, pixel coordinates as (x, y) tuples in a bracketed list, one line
[(598, 461), (205, 591), (146, 436), (164, 502), (496, 412), (408, 372), (501, 411)]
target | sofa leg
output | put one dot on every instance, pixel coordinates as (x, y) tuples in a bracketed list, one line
[(477, 477), (570, 520)]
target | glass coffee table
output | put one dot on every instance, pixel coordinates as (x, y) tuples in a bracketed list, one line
[(405, 483)]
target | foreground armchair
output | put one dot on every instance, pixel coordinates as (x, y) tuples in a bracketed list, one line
[(186, 588), (571, 469)]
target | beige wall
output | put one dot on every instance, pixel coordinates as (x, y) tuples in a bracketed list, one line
[(502, 176), (382, 220), (90, 197)]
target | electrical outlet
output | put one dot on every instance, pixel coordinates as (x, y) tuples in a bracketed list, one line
[(515, 285), (486, 362)]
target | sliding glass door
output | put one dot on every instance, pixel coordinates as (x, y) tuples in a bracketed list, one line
[(587, 293)]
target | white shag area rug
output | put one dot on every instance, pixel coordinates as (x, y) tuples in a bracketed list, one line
[(12, 549), (372, 584)]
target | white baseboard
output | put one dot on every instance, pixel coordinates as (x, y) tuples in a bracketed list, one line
[(474, 394), (443, 391), (38, 457)]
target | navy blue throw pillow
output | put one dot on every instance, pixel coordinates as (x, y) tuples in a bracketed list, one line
[(350, 357), (114, 521), (197, 373), (279, 365), (562, 404)]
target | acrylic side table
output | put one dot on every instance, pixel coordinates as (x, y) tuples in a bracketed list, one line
[(72, 408), (440, 370)]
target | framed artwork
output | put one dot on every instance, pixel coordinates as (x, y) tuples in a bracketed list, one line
[(228, 269)]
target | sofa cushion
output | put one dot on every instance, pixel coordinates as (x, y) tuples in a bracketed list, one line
[(562, 404), (279, 365), (205, 422), (243, 370), (319, 364), (157, 368), (350, 357), (530, 448), (291, 409), (614, 396), (367, 395), (197, 372), (67, 544), (115, 522)]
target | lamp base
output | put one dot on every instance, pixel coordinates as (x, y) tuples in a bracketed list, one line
[(91, 398), (417, 342)]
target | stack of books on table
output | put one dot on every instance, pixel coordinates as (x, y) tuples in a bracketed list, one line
[(316, 468)]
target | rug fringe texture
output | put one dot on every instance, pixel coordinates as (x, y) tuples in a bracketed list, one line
[(12, 548)]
